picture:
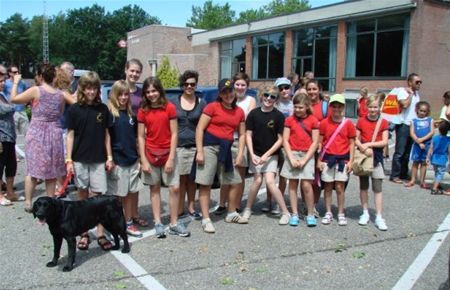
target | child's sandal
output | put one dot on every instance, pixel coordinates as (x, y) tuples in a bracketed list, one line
[(104, 243), (83, 243)]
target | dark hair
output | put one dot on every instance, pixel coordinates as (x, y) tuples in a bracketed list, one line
[(423, 103), (187, 74), (48, 73), (233, 104), (443, 127), (381, 96), (446, 97), (155, 83), (411, 76), (11, 66), (313, 81), (241, 76), (133, 61), (291, 76)]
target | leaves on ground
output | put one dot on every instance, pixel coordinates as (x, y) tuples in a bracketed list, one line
[(121, 286), (340, 247), (359, 255), (119, 274), (227, 281)]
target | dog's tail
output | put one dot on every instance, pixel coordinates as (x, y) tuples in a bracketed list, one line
[(61, 192)]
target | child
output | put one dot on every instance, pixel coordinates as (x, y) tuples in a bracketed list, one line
[(337, 156), (158, 137), (124, 180), (263, 135), (445, 111), (421, 131), (365, 129), (438, 156), (89, 146), (300, 140), (362, 102)]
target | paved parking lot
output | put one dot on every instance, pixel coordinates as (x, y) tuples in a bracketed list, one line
[(259, 255)]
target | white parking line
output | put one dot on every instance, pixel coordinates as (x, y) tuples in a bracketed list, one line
[(419, 265)]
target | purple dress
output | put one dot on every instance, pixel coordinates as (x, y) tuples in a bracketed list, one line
[(44, 146)]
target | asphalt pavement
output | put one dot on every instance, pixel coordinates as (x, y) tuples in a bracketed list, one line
[(259, 255)]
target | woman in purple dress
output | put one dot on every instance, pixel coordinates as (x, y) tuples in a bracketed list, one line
[(44, 148)]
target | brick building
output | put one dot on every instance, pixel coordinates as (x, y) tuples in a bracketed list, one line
[(374, 43)]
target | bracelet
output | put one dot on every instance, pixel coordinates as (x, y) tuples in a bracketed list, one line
[(109, 158)]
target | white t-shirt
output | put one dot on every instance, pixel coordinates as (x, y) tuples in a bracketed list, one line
[(409, 113)]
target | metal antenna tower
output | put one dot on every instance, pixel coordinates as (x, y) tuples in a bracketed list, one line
[(45, 50)]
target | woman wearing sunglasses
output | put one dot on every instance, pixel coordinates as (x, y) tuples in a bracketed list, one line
[(264, 129)]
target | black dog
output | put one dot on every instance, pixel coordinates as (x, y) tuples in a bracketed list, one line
[(68, 219)]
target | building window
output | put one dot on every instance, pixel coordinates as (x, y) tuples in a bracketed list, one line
[(377, 47), (232, 57), (268, 56), (315, 50)]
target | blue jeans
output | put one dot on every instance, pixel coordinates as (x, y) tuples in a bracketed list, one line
[(400, 160)]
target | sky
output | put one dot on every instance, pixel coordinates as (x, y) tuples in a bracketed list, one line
[(170, 12)]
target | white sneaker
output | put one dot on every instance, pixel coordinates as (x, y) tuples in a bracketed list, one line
[(208, 226), (236, 219), (275, 209), (284, 220), (247, 213), (381, 224), (364, 219), (342, 220), (327, 219)]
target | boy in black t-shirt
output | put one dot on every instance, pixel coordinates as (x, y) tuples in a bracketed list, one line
[(264, 129)]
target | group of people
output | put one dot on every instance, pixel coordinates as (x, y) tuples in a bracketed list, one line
[(143, 137)]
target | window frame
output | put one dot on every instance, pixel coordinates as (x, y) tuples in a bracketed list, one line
[(255, 47)]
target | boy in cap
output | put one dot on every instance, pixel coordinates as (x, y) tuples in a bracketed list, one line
[(337, 143)]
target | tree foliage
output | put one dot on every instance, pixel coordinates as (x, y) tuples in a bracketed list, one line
[(167, 74), (87, 37), (279, 7), (211, 16)]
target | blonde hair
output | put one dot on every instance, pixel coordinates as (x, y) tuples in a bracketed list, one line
[(364, 91), (119, 87), (268, 90), (62, 80), (89, 79), (373, 99), (302, 99)]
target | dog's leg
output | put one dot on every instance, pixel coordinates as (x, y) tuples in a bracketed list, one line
[(116, 242), (126, 245), (71, 245), (57, 242)]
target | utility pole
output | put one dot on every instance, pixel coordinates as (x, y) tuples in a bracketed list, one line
[(45, 50)]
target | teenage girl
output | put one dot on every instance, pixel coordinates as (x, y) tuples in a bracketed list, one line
[(124, 179), (158, 137), (365, 128), (300, 141)]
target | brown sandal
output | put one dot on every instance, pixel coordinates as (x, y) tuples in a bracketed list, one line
[(140, 222), (104, 243), (83, 243)]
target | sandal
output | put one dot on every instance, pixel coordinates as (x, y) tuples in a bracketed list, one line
[(424, 186), (397, 180), (140, 222), (83, 243), (436, 192), (104, 243), (410, 184)]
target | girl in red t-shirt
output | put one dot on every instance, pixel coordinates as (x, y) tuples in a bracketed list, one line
[(214, 137), (158, 137), (300, 141), (336, 162), (365, 128), (313, 90), (362, 102)]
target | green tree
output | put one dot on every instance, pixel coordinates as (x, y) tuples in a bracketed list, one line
[(211, 16), (251, 15), (167, 74), (279, 7)]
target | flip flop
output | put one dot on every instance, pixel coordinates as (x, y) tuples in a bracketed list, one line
[(397, 180), (424, 186), (409, 184)]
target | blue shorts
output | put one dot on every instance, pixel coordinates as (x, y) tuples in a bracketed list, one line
[(439, 172), (419, 155)]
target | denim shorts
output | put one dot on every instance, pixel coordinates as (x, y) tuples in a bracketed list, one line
[(439, 172)]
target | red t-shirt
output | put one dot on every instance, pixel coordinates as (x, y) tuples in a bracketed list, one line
[(299, 139), (367, 127), (363, 110), (157, 124), (224, 122), (341, 144), (317, 110)]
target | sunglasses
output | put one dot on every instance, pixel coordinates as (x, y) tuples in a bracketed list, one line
[(284, 88), (269, 96), (14, 72), (418, 82), (190, 84)]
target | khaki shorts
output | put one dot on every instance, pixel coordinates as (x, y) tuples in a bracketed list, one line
[(205, 173), (378, 172), (90, 176), (123, 180), (185, 158), (307, 172), (270, 165), (158, 176), (332, 174), (234, 152)]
